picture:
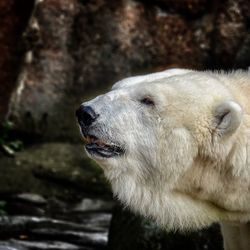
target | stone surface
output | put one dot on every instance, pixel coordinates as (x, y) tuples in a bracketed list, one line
[(47, 71), (31, 198), (129, 231), (56, 229), (87, 205), (14, 16), (5, 245), (20, 245), (52, 169), (231, 36), (185, 7), (97, 221)]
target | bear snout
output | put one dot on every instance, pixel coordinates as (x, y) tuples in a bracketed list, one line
[(86, 115)]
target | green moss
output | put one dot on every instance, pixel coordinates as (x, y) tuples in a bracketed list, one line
[(8, 144), (2, 208)]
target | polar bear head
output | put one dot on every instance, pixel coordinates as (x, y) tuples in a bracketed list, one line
[(164, 141)]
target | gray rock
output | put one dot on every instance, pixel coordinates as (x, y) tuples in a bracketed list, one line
[(91, 223), (231, 29), (98, 221), (186, 7), (62, 228), (49, 229), (97, 239), (87, 205), (32, 198), (50, 245), (18, 223), (11, 246), (52, 169), (31, 245), (14, 16), (242, 59)]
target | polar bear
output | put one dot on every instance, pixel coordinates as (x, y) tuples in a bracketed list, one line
[(175, 146)]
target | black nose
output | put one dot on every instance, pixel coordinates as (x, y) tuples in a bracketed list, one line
[(86, 115)]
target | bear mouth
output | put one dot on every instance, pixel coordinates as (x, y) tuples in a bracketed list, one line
[(98, 147)]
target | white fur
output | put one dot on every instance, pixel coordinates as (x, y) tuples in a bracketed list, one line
[(179, 168), (130, 81)]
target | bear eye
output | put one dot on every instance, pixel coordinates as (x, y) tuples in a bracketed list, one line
[(147, 101)]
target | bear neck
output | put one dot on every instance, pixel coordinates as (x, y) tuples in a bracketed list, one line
[(170, 210)]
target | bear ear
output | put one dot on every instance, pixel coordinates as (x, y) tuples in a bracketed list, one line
[(228, 117)]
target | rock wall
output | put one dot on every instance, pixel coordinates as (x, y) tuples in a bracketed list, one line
[(78, 48), (14, 15)]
